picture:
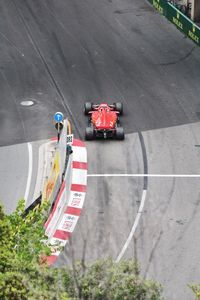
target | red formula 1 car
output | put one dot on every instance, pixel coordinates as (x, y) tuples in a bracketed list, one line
[(104, 121)]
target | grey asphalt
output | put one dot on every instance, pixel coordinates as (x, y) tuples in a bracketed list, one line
[(167, 238), (166, 241), (13, 175), (63, 53), (14, 172)]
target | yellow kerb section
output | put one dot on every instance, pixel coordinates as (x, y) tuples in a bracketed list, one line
[(69, 128), (50, 184)]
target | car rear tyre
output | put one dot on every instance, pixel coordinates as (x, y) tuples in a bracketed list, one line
[(88, 107), (119, 133), (119, 107), (89, 133)]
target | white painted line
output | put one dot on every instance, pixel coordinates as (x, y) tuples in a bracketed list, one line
[(79, 154), (137, 219), (79, 176), (30, 168), (146, 175)]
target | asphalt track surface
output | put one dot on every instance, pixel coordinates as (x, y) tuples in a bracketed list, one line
[(63, 53)]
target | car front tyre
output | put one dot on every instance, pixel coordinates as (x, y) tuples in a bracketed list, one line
[(87, 107), (118, 107)]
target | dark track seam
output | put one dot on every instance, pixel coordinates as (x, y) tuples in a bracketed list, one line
[(145, 160)]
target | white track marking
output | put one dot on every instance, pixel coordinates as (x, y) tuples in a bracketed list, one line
[(137, 219), (30, 168), (146, 175), (140, 210)]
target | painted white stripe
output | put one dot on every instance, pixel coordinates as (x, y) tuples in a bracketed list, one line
[(137, 219), (76, 199), (68, 223), (79, 176), (146, 175), (79, 154), (30, 168)]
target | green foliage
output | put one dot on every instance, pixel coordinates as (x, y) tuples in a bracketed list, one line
[(23, 276), (196, 289), (22, 244), (105, 280)]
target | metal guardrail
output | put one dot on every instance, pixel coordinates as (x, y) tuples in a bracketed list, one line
[(54, 182), (33, 205), (176, 17)]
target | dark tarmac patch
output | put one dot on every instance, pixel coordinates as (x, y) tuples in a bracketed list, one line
[(123, 11)]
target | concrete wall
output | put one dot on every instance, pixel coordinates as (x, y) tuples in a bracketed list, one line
[(195, 12)]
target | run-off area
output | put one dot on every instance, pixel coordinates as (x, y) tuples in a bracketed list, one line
[(165, 240)]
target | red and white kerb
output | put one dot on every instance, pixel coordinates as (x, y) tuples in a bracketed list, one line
[(75, 199)]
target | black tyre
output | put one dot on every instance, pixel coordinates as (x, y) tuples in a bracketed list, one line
[(119, 107), (89, 133), (87, 107), (119, 133)]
